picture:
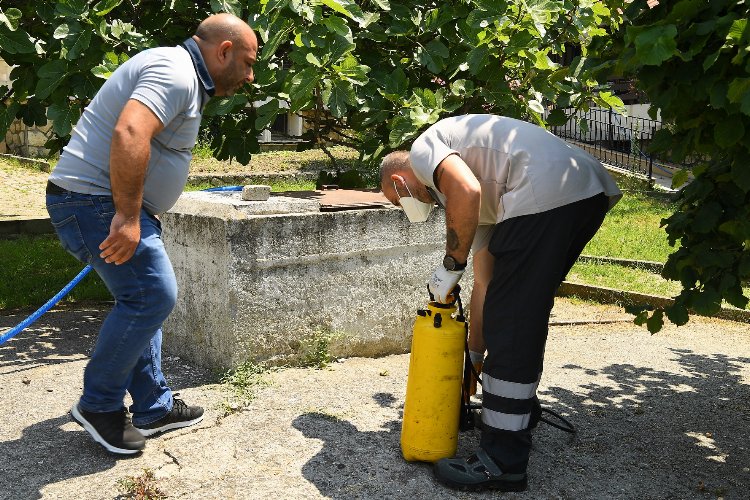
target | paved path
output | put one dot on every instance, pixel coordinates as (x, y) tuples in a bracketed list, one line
[(662, 416)]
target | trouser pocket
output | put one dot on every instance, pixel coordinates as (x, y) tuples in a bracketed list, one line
[(71, 238)]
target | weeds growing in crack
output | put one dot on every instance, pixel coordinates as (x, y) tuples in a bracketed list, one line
[(141, 487)]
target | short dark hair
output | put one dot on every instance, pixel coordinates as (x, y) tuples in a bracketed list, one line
[(394, 163)]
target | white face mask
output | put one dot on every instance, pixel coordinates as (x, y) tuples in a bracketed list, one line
[(415, 210)]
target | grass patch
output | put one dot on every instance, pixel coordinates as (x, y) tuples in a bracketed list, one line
[(35, 269), (242, 383), (316, 349), (141, 487), (632, 230), (312, 160), (622, 278), (626, 278), (277, 186)]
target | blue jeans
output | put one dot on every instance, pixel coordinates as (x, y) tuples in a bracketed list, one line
[(127, 354)]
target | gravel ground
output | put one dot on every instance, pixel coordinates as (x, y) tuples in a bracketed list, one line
[(21, 192), (662, 416)]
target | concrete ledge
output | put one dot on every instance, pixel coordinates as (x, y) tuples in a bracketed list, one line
[(15, 228), (646, 265), (621, 297), (31, 162)]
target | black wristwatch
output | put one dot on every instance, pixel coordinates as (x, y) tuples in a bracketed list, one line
[(451, 265)]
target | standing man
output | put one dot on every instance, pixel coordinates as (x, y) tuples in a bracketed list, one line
[(127, 162), (526, 203)]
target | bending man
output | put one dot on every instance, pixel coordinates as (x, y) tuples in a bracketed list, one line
[(127, 161), (525, 203)]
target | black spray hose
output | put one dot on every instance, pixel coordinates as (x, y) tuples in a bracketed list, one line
[(467, 417)]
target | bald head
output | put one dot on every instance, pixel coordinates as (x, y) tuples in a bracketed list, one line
[(220, 27), (229, 48)]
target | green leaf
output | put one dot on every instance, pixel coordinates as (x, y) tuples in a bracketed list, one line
[(656, 321), (229, 6), (7, 116), (61, 31), (33, 113), (76, 43), (656, 44), (383, 4), (313, 59), (11, 18), (63, 117), (397, 83), (462, 87), (536, 106), (741, 175), (402, 130), (706, 302), (16, 42), (557, 117), (351, 70), (50, 77), (679, 178), (729, 131), (279, 32), (337, 25), (266, 114), (302, 86), (225, 105), (345, 7), (707, 217), (678, 314), (337, 95), (433, 55), (105, 7), (478, 58), (739, 92), (71, 8)]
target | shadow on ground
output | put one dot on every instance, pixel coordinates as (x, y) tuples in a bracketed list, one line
[(642, 433)]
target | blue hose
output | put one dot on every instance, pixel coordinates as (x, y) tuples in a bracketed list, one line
[(62, 293), (224, 188), (46, 307)]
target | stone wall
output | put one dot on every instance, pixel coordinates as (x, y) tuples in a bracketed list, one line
[(22, 140)]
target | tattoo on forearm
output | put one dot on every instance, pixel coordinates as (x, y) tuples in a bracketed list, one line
[(451, 239)]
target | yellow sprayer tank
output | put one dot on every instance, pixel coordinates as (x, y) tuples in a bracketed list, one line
[(429, 430)]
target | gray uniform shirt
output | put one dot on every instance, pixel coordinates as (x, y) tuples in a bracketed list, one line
[(522, 168), (165, 80)]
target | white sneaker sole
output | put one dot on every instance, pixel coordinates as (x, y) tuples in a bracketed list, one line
[(169, 427), (97, 437)]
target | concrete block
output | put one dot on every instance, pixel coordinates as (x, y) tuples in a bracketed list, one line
[(256, 192), (263, 286)]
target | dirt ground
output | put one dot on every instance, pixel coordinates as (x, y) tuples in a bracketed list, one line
[(21, 192), (658, 416)]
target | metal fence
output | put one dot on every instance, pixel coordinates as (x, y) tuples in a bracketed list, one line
[(617, 140)]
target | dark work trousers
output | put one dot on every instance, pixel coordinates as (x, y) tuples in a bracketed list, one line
[(533, 254)]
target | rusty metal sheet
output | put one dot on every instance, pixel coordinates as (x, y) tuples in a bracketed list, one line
[(334, 200)]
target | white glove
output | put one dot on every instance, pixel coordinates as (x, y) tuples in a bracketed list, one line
[(442, 283)]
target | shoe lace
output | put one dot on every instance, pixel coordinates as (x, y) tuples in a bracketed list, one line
[(178, 405)]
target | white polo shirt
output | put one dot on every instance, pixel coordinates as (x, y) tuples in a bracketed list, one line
[(522, 168)]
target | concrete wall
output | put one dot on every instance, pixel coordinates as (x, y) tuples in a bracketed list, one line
[(266, 288)]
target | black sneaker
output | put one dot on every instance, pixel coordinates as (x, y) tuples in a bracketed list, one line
[(111, 429), (181, 415)]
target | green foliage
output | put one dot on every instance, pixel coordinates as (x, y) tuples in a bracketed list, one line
[(691, 58), (370, 75)]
